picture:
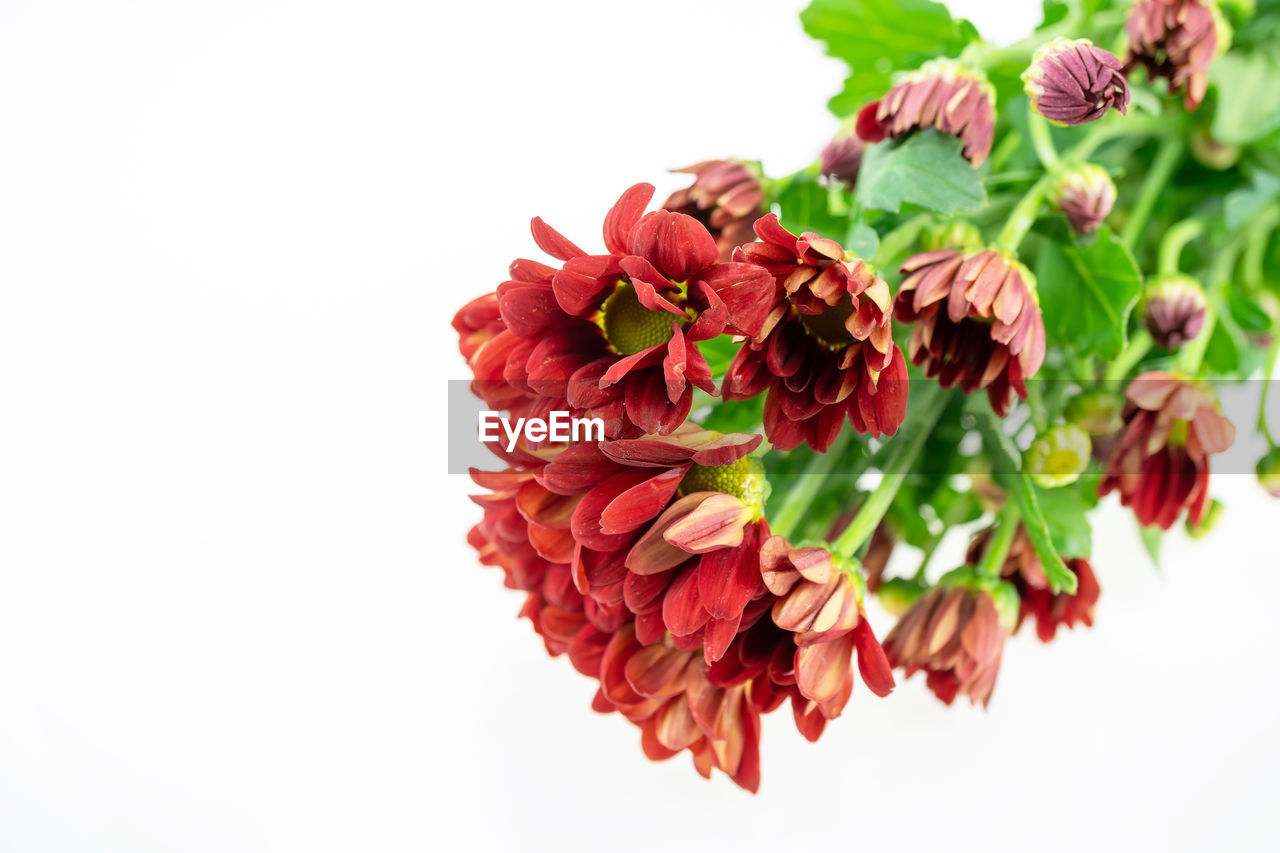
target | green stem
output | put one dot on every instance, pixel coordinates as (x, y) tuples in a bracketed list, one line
[(1035, 402), (1023, 215), (1137, 348), (1175, 240), (899, 239), (1268, 376), (795, 503), (998, 546), (878, 503), (1041, 140), (1167, 159)]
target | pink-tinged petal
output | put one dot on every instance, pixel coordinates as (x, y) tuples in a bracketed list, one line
[(585, 283), (623, 216), (777, 571), (682, 609), (525, 270), (1150, 390), (674, 364), (677, 245), (652, 553), (674, 725), (727, 449), (716, 522), (823, 674), (727, 580), (657, 672), (1215, 433), (641, 503), (552, 241), (747, 293)]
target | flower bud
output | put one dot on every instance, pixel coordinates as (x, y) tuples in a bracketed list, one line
[(1175, 310), (898, 594), (955, 234), (842, 157), (1085, 194), (1070, 81), (1269, 472), (1203, 527), (1058, 457), (1097, 411)]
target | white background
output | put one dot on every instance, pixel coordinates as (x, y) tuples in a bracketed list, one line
[(236, 608)]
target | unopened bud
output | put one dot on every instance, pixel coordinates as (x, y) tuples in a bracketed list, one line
[(1086, 195), (1070, 81), (1175, 310), (1058, 457), (842, 157)]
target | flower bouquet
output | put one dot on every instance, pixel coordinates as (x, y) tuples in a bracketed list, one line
[(1019, 281)]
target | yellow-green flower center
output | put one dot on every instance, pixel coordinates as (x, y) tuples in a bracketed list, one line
[(1178, 432), (743, 479), (629, 326)]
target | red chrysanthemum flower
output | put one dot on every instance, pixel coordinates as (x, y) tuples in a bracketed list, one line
[(726, 196), (1176, 40), (1025, 571), (615, 336), (955, 633), (1160, 465), (820, 600), (943, 94), (977, 321), (825, 352)]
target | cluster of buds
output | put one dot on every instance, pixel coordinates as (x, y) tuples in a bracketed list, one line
[(1177, 40)]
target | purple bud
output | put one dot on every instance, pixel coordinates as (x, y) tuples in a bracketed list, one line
[(1175, 310), (1072, 82), (1085, 194), (842, 157)]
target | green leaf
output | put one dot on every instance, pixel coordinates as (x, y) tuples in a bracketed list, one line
[(1243, 204), (719, 352), (736, 416), (877, 37), (1087, 293), (1248, 103), (1247, 311), (1065, 512), (862, 240), (806, 205), (927, 170), (1151, 539), (1223, 353)]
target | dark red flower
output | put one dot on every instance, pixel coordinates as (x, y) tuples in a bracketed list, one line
[(1025, 571), (955, 633), (1070, 81), (1160, 465), (977, 321), (726, 196), (825, 352), (1176, 40), (615, 335), (943, 94)]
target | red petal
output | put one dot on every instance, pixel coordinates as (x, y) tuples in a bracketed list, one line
[(552, 241), (623, 216), (677, 245)]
